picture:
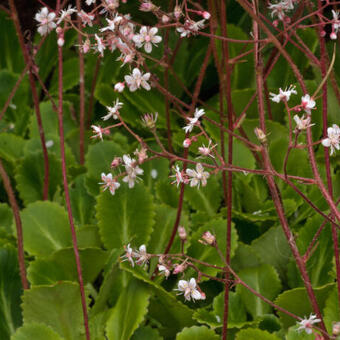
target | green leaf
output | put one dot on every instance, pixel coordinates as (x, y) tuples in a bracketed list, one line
[(296, 301), (81, 201), (36, 331), (30, 176), (255, 334), (146, 333), (70, 76), (237, 316), (165, 308), (264, 280), (204, 316), (209, 254), (167, 193), (57, 306), (206, 198), (125, 217), (319, 265), (331, 311), (6, 217), (46, 228), (61, 266), (98, 159), (12, 57), (197, 333), (10, 291), (11, 147), (273, 248), (129, 311)]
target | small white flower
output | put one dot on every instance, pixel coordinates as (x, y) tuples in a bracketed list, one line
[(142, 256), (283, 95), (132, 170), (86, 18), (98, 132), (194, 121), (66, 14), (164, 270), (333, 140), (137, 79), (302, 123), (307, 324), (307, 103), (336, 23), (90, 2), (188, 288), (110, 183), (100, 45), (129, 254), (46, 21), (190, 27), (206, 150), (197, 177), (113, 110), (147, 37), (178, 175), (281, 7)]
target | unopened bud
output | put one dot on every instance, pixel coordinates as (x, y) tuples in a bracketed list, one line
[(165, 19), (333, 36), (260, 135), (59, 30), (206, 15), (182, 233), (276, 23), (60, 42), (208, 238), (336, 329), (116, 162), (186, 142), (323, 33), (180, 268)]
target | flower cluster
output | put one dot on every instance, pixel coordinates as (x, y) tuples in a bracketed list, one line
[(194, 177)]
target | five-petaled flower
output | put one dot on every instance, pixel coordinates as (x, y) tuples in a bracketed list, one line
[(137, 79), (307, 103), (197, 177), (113, 110), (147, 37), (110, 183), (283, 95), (333, 138), (141, 255), (188, 288), (194, 121), (132, 170), (307, 324), (302, 123), (46, 21)]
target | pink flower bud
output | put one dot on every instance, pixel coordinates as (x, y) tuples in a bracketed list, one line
[(276, 23), (180, 268), (165, 19), (187, 142), (333, 36), (323, 33), (208, 238), (206, 15), (146, 6), (260, 135), (119, 87), (116, 162), (59, 30), (202, 295), (182, 233)]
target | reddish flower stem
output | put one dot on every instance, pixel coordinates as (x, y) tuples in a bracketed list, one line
[(66, 191), (16, 213)]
